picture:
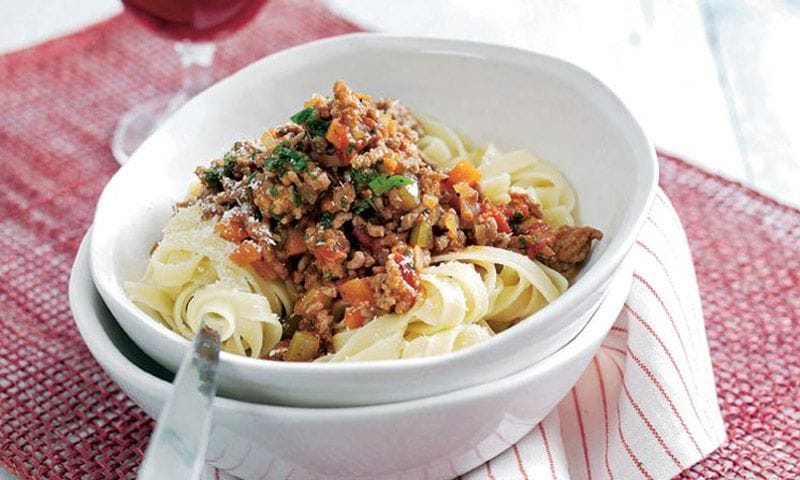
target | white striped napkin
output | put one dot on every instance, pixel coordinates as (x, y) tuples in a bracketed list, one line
[(646, 406)]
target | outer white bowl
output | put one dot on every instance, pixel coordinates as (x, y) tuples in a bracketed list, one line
[(515, 98), (436, 437)]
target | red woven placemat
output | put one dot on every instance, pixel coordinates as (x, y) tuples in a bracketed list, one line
[(62, 417)]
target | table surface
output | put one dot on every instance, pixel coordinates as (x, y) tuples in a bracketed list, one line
[(713, 81)]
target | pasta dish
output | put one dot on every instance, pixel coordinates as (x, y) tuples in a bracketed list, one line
[(359, 231)]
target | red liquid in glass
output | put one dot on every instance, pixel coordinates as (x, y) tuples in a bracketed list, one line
[(198, 20)]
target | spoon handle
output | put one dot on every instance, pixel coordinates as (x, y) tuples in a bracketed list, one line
[(178, 445)]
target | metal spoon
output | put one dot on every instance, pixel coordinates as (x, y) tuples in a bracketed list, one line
[(178, 445)]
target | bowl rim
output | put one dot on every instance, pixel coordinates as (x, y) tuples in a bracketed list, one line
[(619, 246), (81, 287)]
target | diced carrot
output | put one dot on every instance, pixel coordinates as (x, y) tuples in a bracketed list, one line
[(245, 254), (389, 165), (337, 135), (463, 171), (327, 253), (232, 231), (353, 317), (295, 243), (355, 291)]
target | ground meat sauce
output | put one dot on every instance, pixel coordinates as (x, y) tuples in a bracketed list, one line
[(342, 204)]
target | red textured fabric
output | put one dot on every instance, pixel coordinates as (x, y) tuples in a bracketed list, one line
[(62, 417)]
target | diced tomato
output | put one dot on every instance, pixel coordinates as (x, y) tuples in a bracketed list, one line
[(407, 270), (262, 268), (498, 215), (245, 254), (294, 243), (464, 171), (534, 226), (355, 291), (535, 248), (502, 223), (232, 231)]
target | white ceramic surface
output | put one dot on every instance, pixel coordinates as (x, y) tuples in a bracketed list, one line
[(435, 438), (515, 98)]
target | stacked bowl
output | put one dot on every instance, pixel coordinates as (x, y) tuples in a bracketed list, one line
[(433, 417)]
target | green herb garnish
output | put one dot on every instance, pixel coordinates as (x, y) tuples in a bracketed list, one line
[(383, 183), (212, 176), (303, 115), (516, 219), (363, 205), (228, 162), (297, 199), (326, 219), (350, 147), (284, 158), (273, 190), (363, 177), (309, 118)]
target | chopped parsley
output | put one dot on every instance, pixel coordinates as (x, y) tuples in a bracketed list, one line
[(297, 199), (343, 202), (284, 158), (516, 219), (251, 177), (363, 177), (212, 176), (326, 219), (350, 147), (309, 118), (522, 242), (273, 190), (303, 115), (383, 183), (363, 205)]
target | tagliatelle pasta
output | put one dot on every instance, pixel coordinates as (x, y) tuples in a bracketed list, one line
[(190, 276), (360, 232)]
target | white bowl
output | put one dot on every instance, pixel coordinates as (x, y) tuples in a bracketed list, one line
[(436, 437), (515, 98)]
